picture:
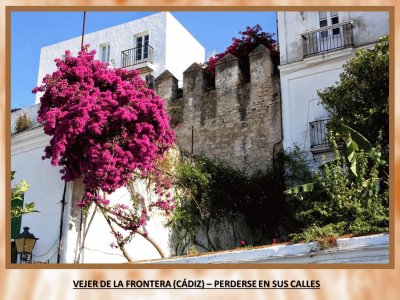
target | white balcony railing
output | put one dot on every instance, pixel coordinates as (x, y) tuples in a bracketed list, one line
[(327, 38)]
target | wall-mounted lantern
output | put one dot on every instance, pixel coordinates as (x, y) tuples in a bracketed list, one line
[(25, 243)]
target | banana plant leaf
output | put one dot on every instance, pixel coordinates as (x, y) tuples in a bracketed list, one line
[(306, 188)]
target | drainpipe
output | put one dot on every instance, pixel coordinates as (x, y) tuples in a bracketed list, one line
[(281, 140), (280, 101), (281, 112), (61, 223)]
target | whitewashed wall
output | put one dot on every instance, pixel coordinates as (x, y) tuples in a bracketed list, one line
[(182, 50), (300, 101), (46, 191), (97, 249), (367, 27), (301, 78), (27, 149)]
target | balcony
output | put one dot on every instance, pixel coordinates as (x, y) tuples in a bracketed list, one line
[(139, 58), (328, 38), (319, 136)]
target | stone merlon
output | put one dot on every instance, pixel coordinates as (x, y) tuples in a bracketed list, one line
[(238, 121)]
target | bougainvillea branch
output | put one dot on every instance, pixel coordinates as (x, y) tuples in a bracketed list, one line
[(144, 234), (105, 125), (116, 234)]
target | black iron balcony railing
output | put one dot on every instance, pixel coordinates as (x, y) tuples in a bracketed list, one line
[(136, 56), (319, 134), (328, 38)]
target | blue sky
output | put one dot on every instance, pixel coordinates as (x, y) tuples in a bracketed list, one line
[(32, 30)]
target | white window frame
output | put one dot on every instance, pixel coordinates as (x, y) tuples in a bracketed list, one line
[(104, 53), (330, 16), (329, 35), (142, 47)]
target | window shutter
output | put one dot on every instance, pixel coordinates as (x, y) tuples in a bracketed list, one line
[(16, 222)]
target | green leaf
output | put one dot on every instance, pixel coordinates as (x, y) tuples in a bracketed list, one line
[(16, 197), (347, 139), (19, 210), (353, 167), (351, 156), (355, 136), (306, 188)]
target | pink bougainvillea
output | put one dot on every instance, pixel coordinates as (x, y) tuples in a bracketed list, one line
[(242, 47), (105, 126), (104, 123)]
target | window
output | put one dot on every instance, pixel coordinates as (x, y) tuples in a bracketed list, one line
[(105, 53), (331, 33), (323, 22), (328, 19), (142, 47), (335, 20), (331, 38), (146, 46)]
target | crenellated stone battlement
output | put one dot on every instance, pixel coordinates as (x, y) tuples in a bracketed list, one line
[(235, 121)]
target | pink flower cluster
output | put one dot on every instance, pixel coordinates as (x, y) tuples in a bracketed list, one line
[(241, 47), (121, 239), (163, 187), (89, 198), (128, 218), (104, 123), (167, 205)]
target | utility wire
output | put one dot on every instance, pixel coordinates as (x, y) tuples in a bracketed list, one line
[(52, 246)]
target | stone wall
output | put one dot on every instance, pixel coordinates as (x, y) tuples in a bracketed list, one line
[(236, 122)]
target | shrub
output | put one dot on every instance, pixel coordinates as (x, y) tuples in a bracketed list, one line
[(22, 123), (212, 192), (343, 201), (361, 97)]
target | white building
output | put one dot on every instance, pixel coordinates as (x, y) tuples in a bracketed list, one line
[(82, 240), (313, 48), (151, 45)]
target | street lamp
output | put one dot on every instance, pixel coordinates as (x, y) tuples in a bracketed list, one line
[(25, 243)]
